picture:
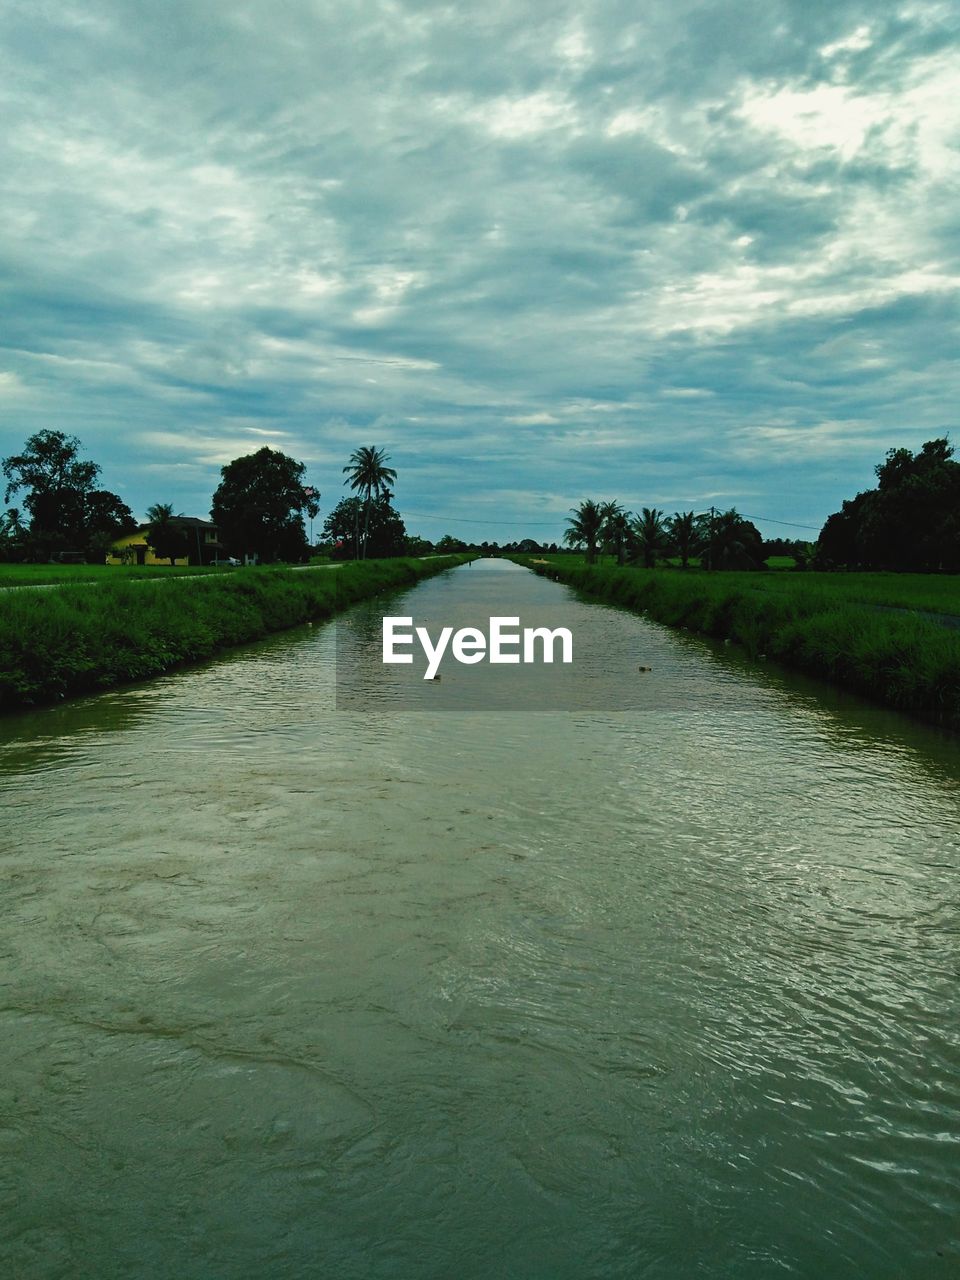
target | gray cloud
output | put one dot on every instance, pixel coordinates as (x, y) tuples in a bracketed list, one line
[(701, 253)]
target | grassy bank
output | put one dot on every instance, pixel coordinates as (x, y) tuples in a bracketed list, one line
[(55, 644), (931, 592), (65, 575), (848, 630)]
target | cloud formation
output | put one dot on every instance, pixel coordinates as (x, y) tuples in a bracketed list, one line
[(707, 253)]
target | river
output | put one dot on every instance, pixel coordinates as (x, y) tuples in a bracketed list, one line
[(662, 985)]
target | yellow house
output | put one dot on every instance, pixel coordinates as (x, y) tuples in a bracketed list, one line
[(203, 545)]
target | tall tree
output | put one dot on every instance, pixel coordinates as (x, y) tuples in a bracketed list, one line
[(617, 532), (67, 510), (584, 527), (367, 473), (57, 480), (167, 540), (651, 533), (260, 503), (910, 521), (682, 528), (105, 515)]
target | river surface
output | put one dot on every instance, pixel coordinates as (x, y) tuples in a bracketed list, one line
[(669, 990)]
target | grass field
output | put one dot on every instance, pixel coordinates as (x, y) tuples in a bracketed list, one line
[(869, 632), (54, 644), (926, 592), (61, 575)]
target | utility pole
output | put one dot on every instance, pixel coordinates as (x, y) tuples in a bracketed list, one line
[(313, 496), (712, 534)]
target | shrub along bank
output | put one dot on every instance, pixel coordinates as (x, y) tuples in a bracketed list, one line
[(71, 640), (901, 659)]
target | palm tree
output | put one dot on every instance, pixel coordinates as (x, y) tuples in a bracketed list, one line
[(585, 527), (616, 528), (735, 542), (367, 473), (165, 540), (651, 533), (683, 533), (11, 523)]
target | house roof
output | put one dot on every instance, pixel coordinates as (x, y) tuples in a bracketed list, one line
[(180, 522), (185, 522)]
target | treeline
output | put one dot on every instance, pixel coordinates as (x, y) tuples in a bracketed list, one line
[(909, 522), (259, 509), (717, 539)]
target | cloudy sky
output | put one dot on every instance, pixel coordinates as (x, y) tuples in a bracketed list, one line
[(669, 252)]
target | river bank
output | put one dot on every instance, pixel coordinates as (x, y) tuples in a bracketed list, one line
[(73, 640), (902, 660)]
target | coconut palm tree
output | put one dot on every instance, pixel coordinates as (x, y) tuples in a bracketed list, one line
[(616, 529), (11, 523), (682, 527), (585, 527), (166, 540), (651, 533), (735, 543), (367, 473)]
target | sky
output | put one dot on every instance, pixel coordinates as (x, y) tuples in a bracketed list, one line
[(672, 253)]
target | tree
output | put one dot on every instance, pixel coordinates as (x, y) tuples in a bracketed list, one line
[(386, 535), (167, 540), (13, 535), (684, 536), (417, 546), (584, 527), (367, 473), (838, 546), (651, 533), (57, 479), (259, 506), (617, 533), (106, 518), (910, 521), (66, 509), (449, 545), (729, 541)]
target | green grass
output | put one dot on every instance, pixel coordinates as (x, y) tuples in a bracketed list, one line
[(55, 644), (926, 592), (37, 575), (846, 628)]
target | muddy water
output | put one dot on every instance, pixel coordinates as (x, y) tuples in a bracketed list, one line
[(663, 991)]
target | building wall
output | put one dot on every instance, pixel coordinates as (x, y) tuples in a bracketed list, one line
[(141, 553)]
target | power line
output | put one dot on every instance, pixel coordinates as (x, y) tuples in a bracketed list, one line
[(540, 524), (424, 515), (792, 524)]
